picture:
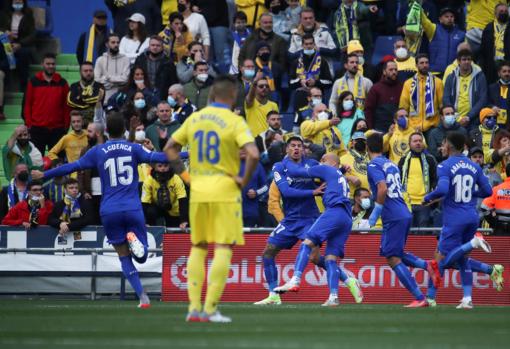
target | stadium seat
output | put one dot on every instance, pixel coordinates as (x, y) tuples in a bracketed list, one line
[(383, 46)]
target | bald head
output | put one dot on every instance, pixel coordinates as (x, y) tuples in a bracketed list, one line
[(330, 159)]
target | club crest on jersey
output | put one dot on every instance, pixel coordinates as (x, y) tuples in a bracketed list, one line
[(400, 148)]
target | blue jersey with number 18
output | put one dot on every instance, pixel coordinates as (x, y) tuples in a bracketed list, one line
[(381, 169)]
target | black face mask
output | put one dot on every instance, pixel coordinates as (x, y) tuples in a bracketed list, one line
[(276, 9), (22, 176), (23, 142), (92, 142), (101, 28), (360, 146), (363, 130), (265, 56), (181, 7), (162, 177), (503, 17)]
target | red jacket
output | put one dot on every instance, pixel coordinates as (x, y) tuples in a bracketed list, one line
[(46, 102), (20, 213)]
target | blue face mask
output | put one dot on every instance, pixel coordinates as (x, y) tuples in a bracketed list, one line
[(171, 100), (309, 52), (249, 73), (402, 122), (490, 123), (17, 7), (449, 120), (139, 103)]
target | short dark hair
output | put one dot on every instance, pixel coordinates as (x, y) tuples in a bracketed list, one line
[(349, 56), (420, 56), (416, 133), (457, 140), (359, 190), (111, 35), (34, 183), (197, 64), (175, 15), (375, 142), (307, 36), (49, 55), (75, 112), (272, 112), (385, 64), (115, 125), (464, 53), (70, 181), (441, 110), (295, 138), (86, 63), (156, 37), (502, 64), (193, 43), (240, 15)]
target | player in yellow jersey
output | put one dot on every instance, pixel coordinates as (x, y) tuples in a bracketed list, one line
[(215, 135)]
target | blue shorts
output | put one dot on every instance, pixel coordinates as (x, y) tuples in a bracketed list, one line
[(117, 225), (289, 232), (453, 236), (333, 226), (394, 237)]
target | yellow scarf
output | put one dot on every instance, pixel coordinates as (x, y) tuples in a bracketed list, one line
[(358, 90), (499, 33), (90, 44)]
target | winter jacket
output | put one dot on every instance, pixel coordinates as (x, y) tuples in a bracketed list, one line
[(494, 100), (26, 29), (382, 103), (323, 40), (488, 50), (436, 136), (278, 48), (152, 133), (198, 95), (88, 216), (166, 74), (21, 213)]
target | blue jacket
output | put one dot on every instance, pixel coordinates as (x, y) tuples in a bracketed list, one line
[(257, 183), (443, 47)]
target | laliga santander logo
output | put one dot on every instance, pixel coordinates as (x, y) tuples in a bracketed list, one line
[(178, 273)]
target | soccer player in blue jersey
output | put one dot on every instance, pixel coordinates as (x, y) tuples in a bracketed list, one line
[(121, 210), (460, 183), (333, 226), (385, 183)]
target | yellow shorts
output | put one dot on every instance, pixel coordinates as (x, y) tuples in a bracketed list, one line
[(216, 222)]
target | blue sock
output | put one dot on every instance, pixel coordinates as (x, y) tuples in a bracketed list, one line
[(454, 256), (411, 260), (333, 276), (466, 277), (479, 267), (131, 274), (404, 275), (322, 264), (431, 290), (302, 259), (271, 273)]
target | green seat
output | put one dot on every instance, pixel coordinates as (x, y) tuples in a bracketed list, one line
[(67, 59), (12, 111)]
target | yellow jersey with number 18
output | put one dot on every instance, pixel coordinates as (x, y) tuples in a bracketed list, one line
[(215, 134)]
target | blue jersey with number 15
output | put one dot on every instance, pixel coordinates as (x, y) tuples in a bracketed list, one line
[(381, 169), (117, 163)]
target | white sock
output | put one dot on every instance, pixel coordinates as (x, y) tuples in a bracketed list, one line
[(466, 299)]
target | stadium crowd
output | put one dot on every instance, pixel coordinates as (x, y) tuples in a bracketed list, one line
[(303, 67)]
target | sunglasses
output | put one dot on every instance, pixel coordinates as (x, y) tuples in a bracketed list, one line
[(263, 86)]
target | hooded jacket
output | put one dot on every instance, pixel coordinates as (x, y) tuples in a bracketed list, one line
[(112, 72)]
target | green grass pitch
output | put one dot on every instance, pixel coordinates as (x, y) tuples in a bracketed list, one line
[(115, 324)]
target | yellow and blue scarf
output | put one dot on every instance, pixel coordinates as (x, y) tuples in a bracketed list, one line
[(267, 72), (313, 70), (71, 209), (6, 43), (346, 27), (430, 89), (11, 194)]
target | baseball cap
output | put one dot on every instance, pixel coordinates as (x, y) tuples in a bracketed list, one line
[(475, 150), (100, 14), (358, 135), (137, 17), (445, 10)]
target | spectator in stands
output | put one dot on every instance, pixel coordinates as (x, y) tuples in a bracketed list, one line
[(196, 24), (396, 141), (500, 157), (164, 198), (253, 9), (46, 111), (92, 43), (436, 135), (138, 81), (422, 95), (246, 77), (324, 42), (361, 209), (357, 159), (5, 67), (364, 66), (281, 24), (197, 90), (498, 206), (419, 177), (466, 89), (252, 192), (15, 191), (444, 39), (483, 135), (54, 190), (159, 68), (352, 23), (182, 107), (74, 212), (135, 41), (359, 125), (176, 37), (19, 25), (477, 155), (462, 47), (265, 33), (270, 70), (271, 141), (112, 68), (32, 211), (305, 113), (86, 93), (19, 150), (73, 142), (495, 44), (353, 81), (161, 130), (480, 13), (123, 9), (322, 130), (383, 98), (140, 107), (257, 105), (349, 113), (309, 70), (406, 64), (293, 12), (186, 64), (238, 37), (498, 95)]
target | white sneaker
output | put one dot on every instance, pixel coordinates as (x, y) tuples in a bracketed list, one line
[(478, 241), (135, 246), (465, 304), (216, 317), (331, 302), (270, 300), (290, 286)]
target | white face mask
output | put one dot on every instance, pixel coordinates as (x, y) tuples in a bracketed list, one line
[(316, 101), (365, 203), (140, 136), (323, 116), (202, 77), (401, 52), (348, 104), (36, 197), (361, 60), (139, 82)]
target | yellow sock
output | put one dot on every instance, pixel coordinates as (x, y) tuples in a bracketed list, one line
[(196, 277), (217, 278)]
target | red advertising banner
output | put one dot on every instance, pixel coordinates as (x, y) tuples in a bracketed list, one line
[(246, 282)]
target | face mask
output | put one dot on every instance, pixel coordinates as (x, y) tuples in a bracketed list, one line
[(348, 104), (171, 100), (114, 51), (23, 142), (449, 120), (181, 7), (309, 52), (202, 77), (361, 60), (139, 82), (363, 129), (503, 17), (504, 82), (316, 101), (249, 73), (490, 123), (265, 56), (100, 27), (323, 115), (17, 7), (140, 136), (276, 9), (360, 146), (365, 203), (139, 103), (401, 52), (402, 122), (22, 176), (35, 197)]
